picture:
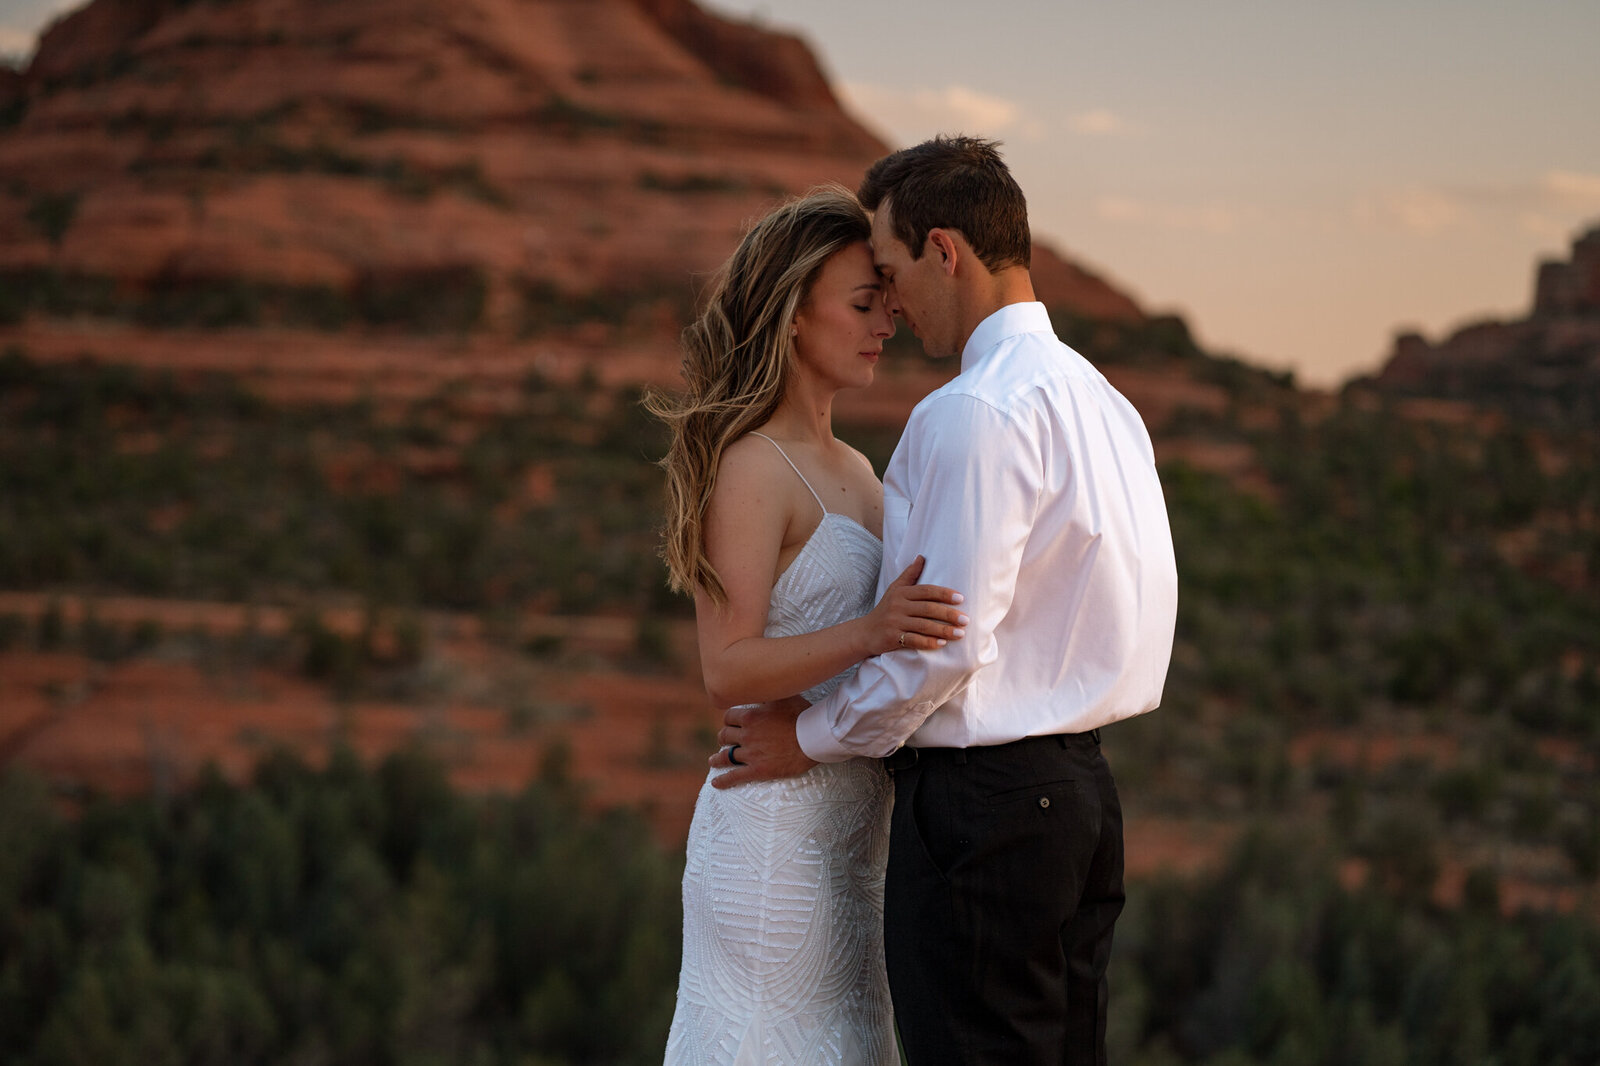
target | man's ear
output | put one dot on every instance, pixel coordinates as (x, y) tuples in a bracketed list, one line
[(944, 246)]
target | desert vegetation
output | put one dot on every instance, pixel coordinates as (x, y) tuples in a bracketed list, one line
[(342, 915), (439, 299), (1386, 691), (374, 916)]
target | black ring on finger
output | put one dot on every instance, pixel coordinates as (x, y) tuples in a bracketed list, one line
[(732, 757)]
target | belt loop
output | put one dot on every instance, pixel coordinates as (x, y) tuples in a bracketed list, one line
[(902, 758), (1095, 736)]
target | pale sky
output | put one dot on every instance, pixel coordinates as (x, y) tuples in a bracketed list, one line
[(21, 21), (1298, 179)]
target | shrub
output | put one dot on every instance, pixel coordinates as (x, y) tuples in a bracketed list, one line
[(446, 298), (52, 214)]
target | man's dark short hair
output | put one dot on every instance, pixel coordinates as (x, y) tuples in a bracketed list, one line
[(958, 183)]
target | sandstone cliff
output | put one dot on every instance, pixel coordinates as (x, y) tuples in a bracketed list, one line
[(1546, 365), (519, 160)]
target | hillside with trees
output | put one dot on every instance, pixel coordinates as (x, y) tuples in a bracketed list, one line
[(1377, 743), (345, 715)]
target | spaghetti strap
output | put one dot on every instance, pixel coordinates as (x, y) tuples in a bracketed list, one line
[(796, 469)]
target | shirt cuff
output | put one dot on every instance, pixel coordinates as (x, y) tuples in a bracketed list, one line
[(815, 738)]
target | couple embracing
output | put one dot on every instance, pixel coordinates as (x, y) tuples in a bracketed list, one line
[(931, 815)]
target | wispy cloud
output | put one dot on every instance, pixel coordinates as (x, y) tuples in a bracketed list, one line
[(1570, 186), (1100, 123), (1418, 209), (1204, 218), (1549, 205), (1560, 201), (913, 114)]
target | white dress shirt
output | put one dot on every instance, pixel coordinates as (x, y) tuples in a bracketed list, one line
[(1029, 483)]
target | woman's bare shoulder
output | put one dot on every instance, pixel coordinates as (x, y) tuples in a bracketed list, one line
[(749, 453), (751, 511), (751, 470)]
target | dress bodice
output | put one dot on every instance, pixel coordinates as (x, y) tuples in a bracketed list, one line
[(833, 579)]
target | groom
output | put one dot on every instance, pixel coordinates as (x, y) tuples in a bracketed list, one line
[(1029, 484)]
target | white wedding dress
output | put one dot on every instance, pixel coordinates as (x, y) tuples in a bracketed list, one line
[(783, 886)]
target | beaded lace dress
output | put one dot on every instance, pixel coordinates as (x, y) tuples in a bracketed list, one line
[(783, 884)]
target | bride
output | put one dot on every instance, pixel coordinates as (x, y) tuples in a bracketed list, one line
[(773, 525)]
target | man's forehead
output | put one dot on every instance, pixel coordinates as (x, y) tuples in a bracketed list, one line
[(883, 240)]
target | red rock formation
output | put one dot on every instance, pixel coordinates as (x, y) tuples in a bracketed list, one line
[(88, 39), (1546, 365), (773, 64), (535, 154), (12, 86), (1571, 287)]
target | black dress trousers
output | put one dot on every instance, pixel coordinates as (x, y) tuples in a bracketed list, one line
[(1004, 882)]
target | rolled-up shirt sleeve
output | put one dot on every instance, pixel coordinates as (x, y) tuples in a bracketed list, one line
[(964, 494)]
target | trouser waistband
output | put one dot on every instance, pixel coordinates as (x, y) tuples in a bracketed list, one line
[(907, 756)]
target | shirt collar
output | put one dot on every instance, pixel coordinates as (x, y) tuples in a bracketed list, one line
[(1010, 321)]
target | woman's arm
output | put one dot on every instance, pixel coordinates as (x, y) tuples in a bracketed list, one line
[(746, 527)]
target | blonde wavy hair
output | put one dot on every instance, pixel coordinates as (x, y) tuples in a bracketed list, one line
[(737, 357)]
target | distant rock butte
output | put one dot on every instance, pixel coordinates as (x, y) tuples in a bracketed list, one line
[(1544, 365), (571, 147)]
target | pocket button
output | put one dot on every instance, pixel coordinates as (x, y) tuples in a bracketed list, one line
[(1044, 801)]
